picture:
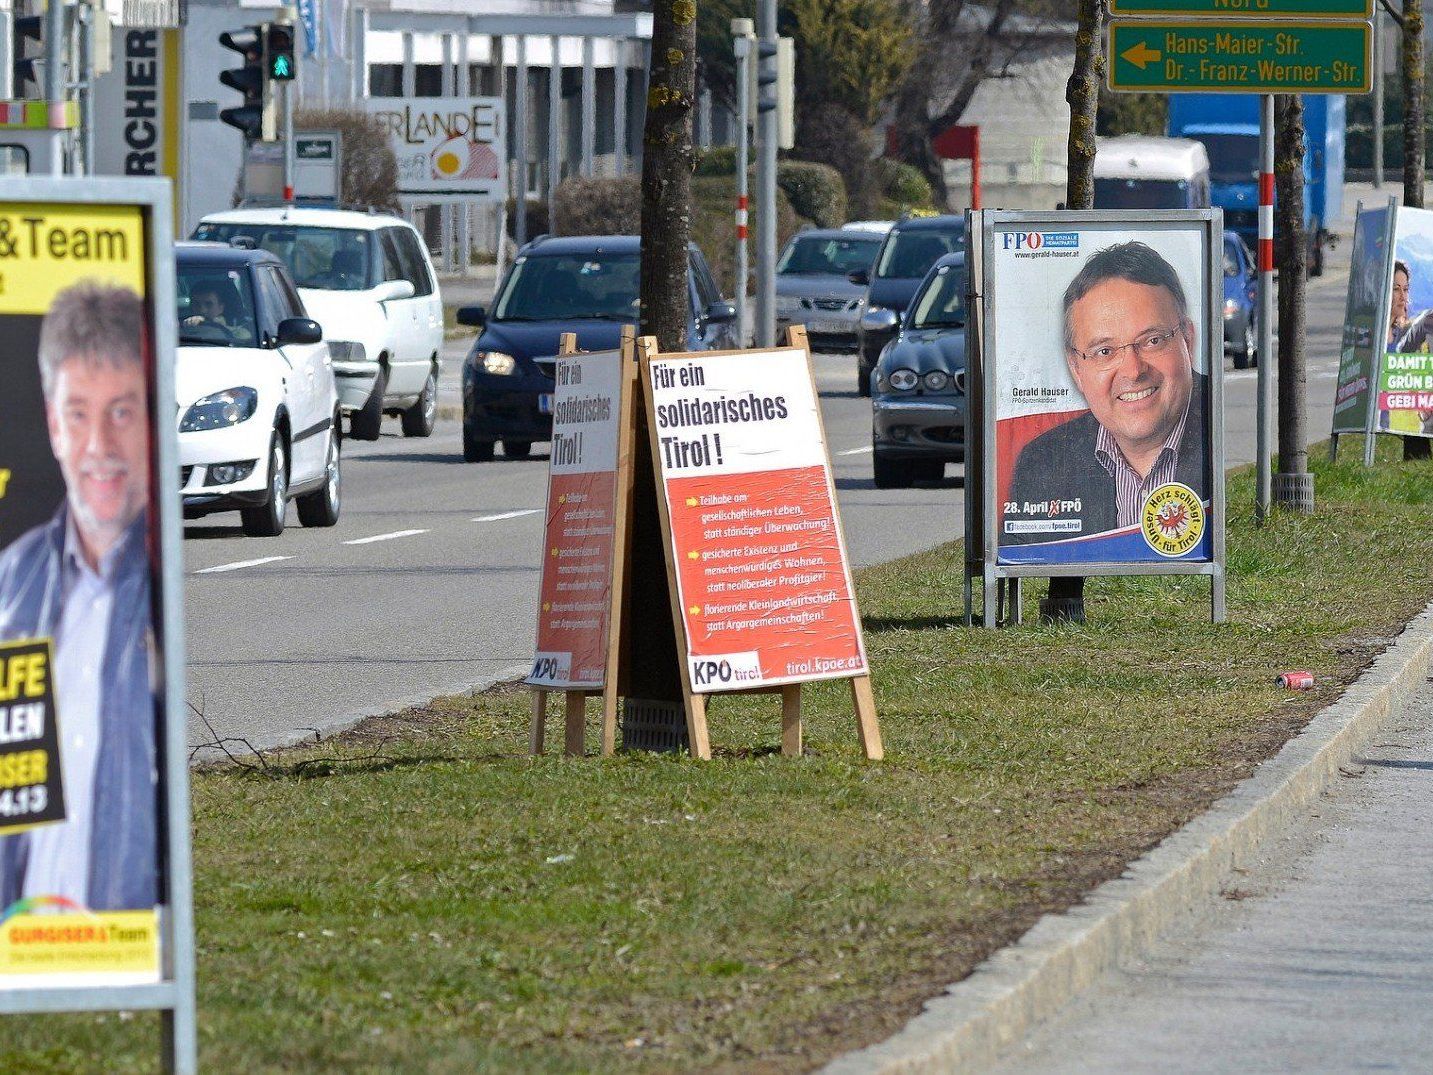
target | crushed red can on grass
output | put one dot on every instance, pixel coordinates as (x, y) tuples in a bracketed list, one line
[(1295, 681)]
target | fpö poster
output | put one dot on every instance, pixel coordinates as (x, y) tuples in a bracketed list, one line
[(79, 719), (761, 568), (1102, 393), (1404, 402), (577, 566)]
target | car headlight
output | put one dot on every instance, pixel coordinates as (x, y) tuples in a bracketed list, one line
[(498, 363), (936, 380), (220, 410), (1231, 307), (903, 379)]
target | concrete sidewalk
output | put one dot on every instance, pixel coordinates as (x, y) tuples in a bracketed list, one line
[(1318, 958)]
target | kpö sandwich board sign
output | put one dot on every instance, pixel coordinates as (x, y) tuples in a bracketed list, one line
[(95, 893), (758, 593)]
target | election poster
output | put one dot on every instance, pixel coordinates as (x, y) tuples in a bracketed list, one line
[(1370, 323), (81, 629), (574, 617), (759, 561), (1098, 334), (1404, 390)]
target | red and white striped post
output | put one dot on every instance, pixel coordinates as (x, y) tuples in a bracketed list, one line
[(1267, 362)]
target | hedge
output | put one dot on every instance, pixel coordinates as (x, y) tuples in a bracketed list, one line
[(816, 191)]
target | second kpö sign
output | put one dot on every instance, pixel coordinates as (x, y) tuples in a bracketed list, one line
[(1240, 57)]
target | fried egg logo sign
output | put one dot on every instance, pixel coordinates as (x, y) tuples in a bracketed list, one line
[(461, 158), (1173, 519)]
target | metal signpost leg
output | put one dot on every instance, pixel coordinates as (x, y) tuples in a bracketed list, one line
[(1266, 307)]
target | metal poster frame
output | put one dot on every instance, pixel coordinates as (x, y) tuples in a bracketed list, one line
[(173, 995), (980, 494)]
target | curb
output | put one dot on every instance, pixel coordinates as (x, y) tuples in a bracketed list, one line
[(969, 1026)]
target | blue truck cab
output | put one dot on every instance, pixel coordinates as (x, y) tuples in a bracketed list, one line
[(1228, 125)]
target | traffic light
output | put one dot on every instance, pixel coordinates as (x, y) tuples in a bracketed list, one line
[(776, 86), (279, 52), (24, 62), (254, 118)]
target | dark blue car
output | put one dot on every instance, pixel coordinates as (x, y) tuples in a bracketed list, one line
[(911, 247), (588, 285), (1241, 289), (918, 402)]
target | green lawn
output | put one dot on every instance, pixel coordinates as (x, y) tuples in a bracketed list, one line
[(424, 897)]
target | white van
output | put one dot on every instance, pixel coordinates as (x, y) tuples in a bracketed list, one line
[(1136, 172)]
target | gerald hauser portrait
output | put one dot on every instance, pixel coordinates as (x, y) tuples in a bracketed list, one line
[(83, 579), (1129, 344)]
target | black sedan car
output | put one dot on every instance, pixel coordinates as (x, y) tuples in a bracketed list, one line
[(585, 284), (918, 405), (909, 250)]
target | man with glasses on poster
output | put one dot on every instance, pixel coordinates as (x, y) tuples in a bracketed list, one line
[(82, 579), (1129, 346)]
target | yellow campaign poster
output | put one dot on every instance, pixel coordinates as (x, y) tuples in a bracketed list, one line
[(80, 860)]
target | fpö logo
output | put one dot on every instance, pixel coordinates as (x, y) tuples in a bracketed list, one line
[(1041, 240)]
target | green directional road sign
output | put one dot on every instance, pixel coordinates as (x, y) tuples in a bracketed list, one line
[(1240, 57), (1230, 10)]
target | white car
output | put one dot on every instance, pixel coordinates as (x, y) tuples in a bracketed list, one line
[(258, 412), (367, 279)]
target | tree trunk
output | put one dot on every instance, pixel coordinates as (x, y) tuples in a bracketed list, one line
[(1292, 260), (913, 137), (667, 173), (1066, 600), (1413, 145), (1083, 94)]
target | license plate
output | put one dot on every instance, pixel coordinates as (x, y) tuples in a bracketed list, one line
[(544, 403), (830, 326)]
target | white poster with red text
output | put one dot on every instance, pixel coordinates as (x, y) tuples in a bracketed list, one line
[(761, 567), (576, 595)]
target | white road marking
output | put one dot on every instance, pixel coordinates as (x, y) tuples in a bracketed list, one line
[(240, 563), (506, 515), (384, 537), (857, 451)]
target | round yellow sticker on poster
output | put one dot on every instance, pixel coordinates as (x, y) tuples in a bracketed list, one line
[(1173, 519)]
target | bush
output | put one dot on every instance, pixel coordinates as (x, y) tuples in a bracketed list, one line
[(815, 191), (714, 226), (718, 160), (538, 218), (904, 184), (598, 206), (370, 171)]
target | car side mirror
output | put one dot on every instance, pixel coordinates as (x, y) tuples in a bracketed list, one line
[(878, 321), (475, 316), (721, 313), (390, 290), (860, 277), (299, 330)]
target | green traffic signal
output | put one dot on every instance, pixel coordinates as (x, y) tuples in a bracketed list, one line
[(282, 68), (279, 52)]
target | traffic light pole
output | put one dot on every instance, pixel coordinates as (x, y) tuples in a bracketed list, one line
[(288, 143), (55, 82), (743, 31), (765, 329)]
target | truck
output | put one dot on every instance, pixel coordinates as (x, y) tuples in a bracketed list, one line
[(1228, 125)]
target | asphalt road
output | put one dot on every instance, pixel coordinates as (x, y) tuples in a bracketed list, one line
[(428, 584), (1315, 959)]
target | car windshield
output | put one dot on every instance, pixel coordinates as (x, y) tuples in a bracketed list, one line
[(910, 254), (815, 256), (1233, 158), (1141, 194), (328, 259), (564, 287), (942, 303), (216, 307)]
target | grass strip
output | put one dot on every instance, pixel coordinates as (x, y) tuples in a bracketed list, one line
[(421, 896)]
